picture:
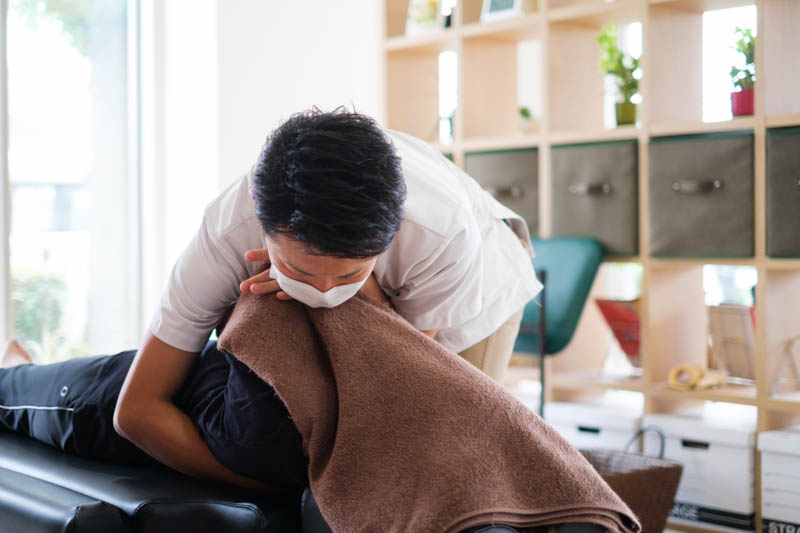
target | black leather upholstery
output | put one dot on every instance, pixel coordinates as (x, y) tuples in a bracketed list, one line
[(313, 522), (29, 505), (151, 500), (312, 519)]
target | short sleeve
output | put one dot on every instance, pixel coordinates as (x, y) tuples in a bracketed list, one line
[(445, 289), (204, 282)]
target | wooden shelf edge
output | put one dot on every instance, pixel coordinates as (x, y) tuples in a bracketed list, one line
[(678, 262), (788, 264), (572, 381), (689, 128), (477, 144), (786, 406), (595, 11), (745, 395), (699, 6), (621, 133), (433, 41), (778, 121), (623, 259), (686, 528), (525, 26)]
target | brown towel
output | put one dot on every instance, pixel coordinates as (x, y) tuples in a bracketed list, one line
[(402, 434)]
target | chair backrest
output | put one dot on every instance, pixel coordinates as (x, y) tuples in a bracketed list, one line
[(571, 264)]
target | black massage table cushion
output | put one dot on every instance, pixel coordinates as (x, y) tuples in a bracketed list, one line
[(46, 490)]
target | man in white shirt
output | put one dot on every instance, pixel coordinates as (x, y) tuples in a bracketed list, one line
[(333, 206)]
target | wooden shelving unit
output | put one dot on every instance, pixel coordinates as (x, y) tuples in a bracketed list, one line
[(571, 109)]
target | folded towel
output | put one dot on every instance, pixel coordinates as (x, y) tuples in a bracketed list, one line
[(403, 435)]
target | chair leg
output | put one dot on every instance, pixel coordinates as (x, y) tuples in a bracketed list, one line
[(542, 338)]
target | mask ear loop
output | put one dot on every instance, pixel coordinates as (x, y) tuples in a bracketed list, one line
[(791, 359)]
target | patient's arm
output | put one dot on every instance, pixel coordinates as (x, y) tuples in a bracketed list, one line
[(146, 416)]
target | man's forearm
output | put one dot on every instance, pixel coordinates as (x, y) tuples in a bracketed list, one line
[(168, 435), (146, 416)]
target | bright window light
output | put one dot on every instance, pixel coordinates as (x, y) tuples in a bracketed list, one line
[(448, 94), (719, 55), (729, 284)]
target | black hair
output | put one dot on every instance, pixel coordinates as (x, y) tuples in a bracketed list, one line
[(331, 180)]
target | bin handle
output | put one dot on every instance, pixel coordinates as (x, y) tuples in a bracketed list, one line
[(590, 189), (639, 434), (513, 191), (697, 186)]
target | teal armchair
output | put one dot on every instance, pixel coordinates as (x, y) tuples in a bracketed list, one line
[(566, 266)]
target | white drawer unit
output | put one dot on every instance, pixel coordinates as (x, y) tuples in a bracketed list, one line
[(717, 489), (780, 480)]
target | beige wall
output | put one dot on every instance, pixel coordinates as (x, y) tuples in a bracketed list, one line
[(276, 58)]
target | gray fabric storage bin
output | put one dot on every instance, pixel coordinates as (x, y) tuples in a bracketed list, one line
[(701, 195), (595, 193), (783, 192), (511, 176)]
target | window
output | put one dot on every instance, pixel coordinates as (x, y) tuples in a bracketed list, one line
[(73, 176)]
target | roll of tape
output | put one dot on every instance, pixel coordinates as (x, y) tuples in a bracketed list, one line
[(685, 377), (711, 378)]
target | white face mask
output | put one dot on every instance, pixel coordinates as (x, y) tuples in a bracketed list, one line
[(311, 296)]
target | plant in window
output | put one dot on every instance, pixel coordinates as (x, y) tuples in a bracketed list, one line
[(525, 119), (624, 68), (38, 300), (744, 78)]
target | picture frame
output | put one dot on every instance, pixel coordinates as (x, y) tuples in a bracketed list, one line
[(505, 9), (733, 343), (423, 16)]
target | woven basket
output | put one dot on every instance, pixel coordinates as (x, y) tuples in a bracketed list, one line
[(647, 484)]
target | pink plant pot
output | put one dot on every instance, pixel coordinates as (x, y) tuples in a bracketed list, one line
[(742, 102)]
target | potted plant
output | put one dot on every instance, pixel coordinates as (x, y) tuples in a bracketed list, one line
[(625, 70), (744, 78), (525, 119)]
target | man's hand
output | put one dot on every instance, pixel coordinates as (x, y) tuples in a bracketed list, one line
[(261, 283)]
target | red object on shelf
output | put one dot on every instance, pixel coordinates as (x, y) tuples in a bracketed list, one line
[(622, 316), (742, 102)]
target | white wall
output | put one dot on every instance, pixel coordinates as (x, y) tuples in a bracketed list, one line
[(217, 76), (179, 101), (277, 58)]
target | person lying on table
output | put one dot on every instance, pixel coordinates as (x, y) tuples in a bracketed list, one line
[(334, 204)]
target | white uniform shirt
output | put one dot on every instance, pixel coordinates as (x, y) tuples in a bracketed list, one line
[(454, 264)]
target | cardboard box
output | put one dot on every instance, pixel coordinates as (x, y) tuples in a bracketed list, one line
[(717, 489), (780, 480), (588, 426)]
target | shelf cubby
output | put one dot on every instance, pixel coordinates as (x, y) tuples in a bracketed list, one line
[(412, 78), (674, 40), (781, 72), (678, 321), (501, 72), (782, 327), (573, 64)]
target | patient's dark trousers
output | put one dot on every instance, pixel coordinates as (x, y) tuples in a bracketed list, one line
[(70, 405)]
